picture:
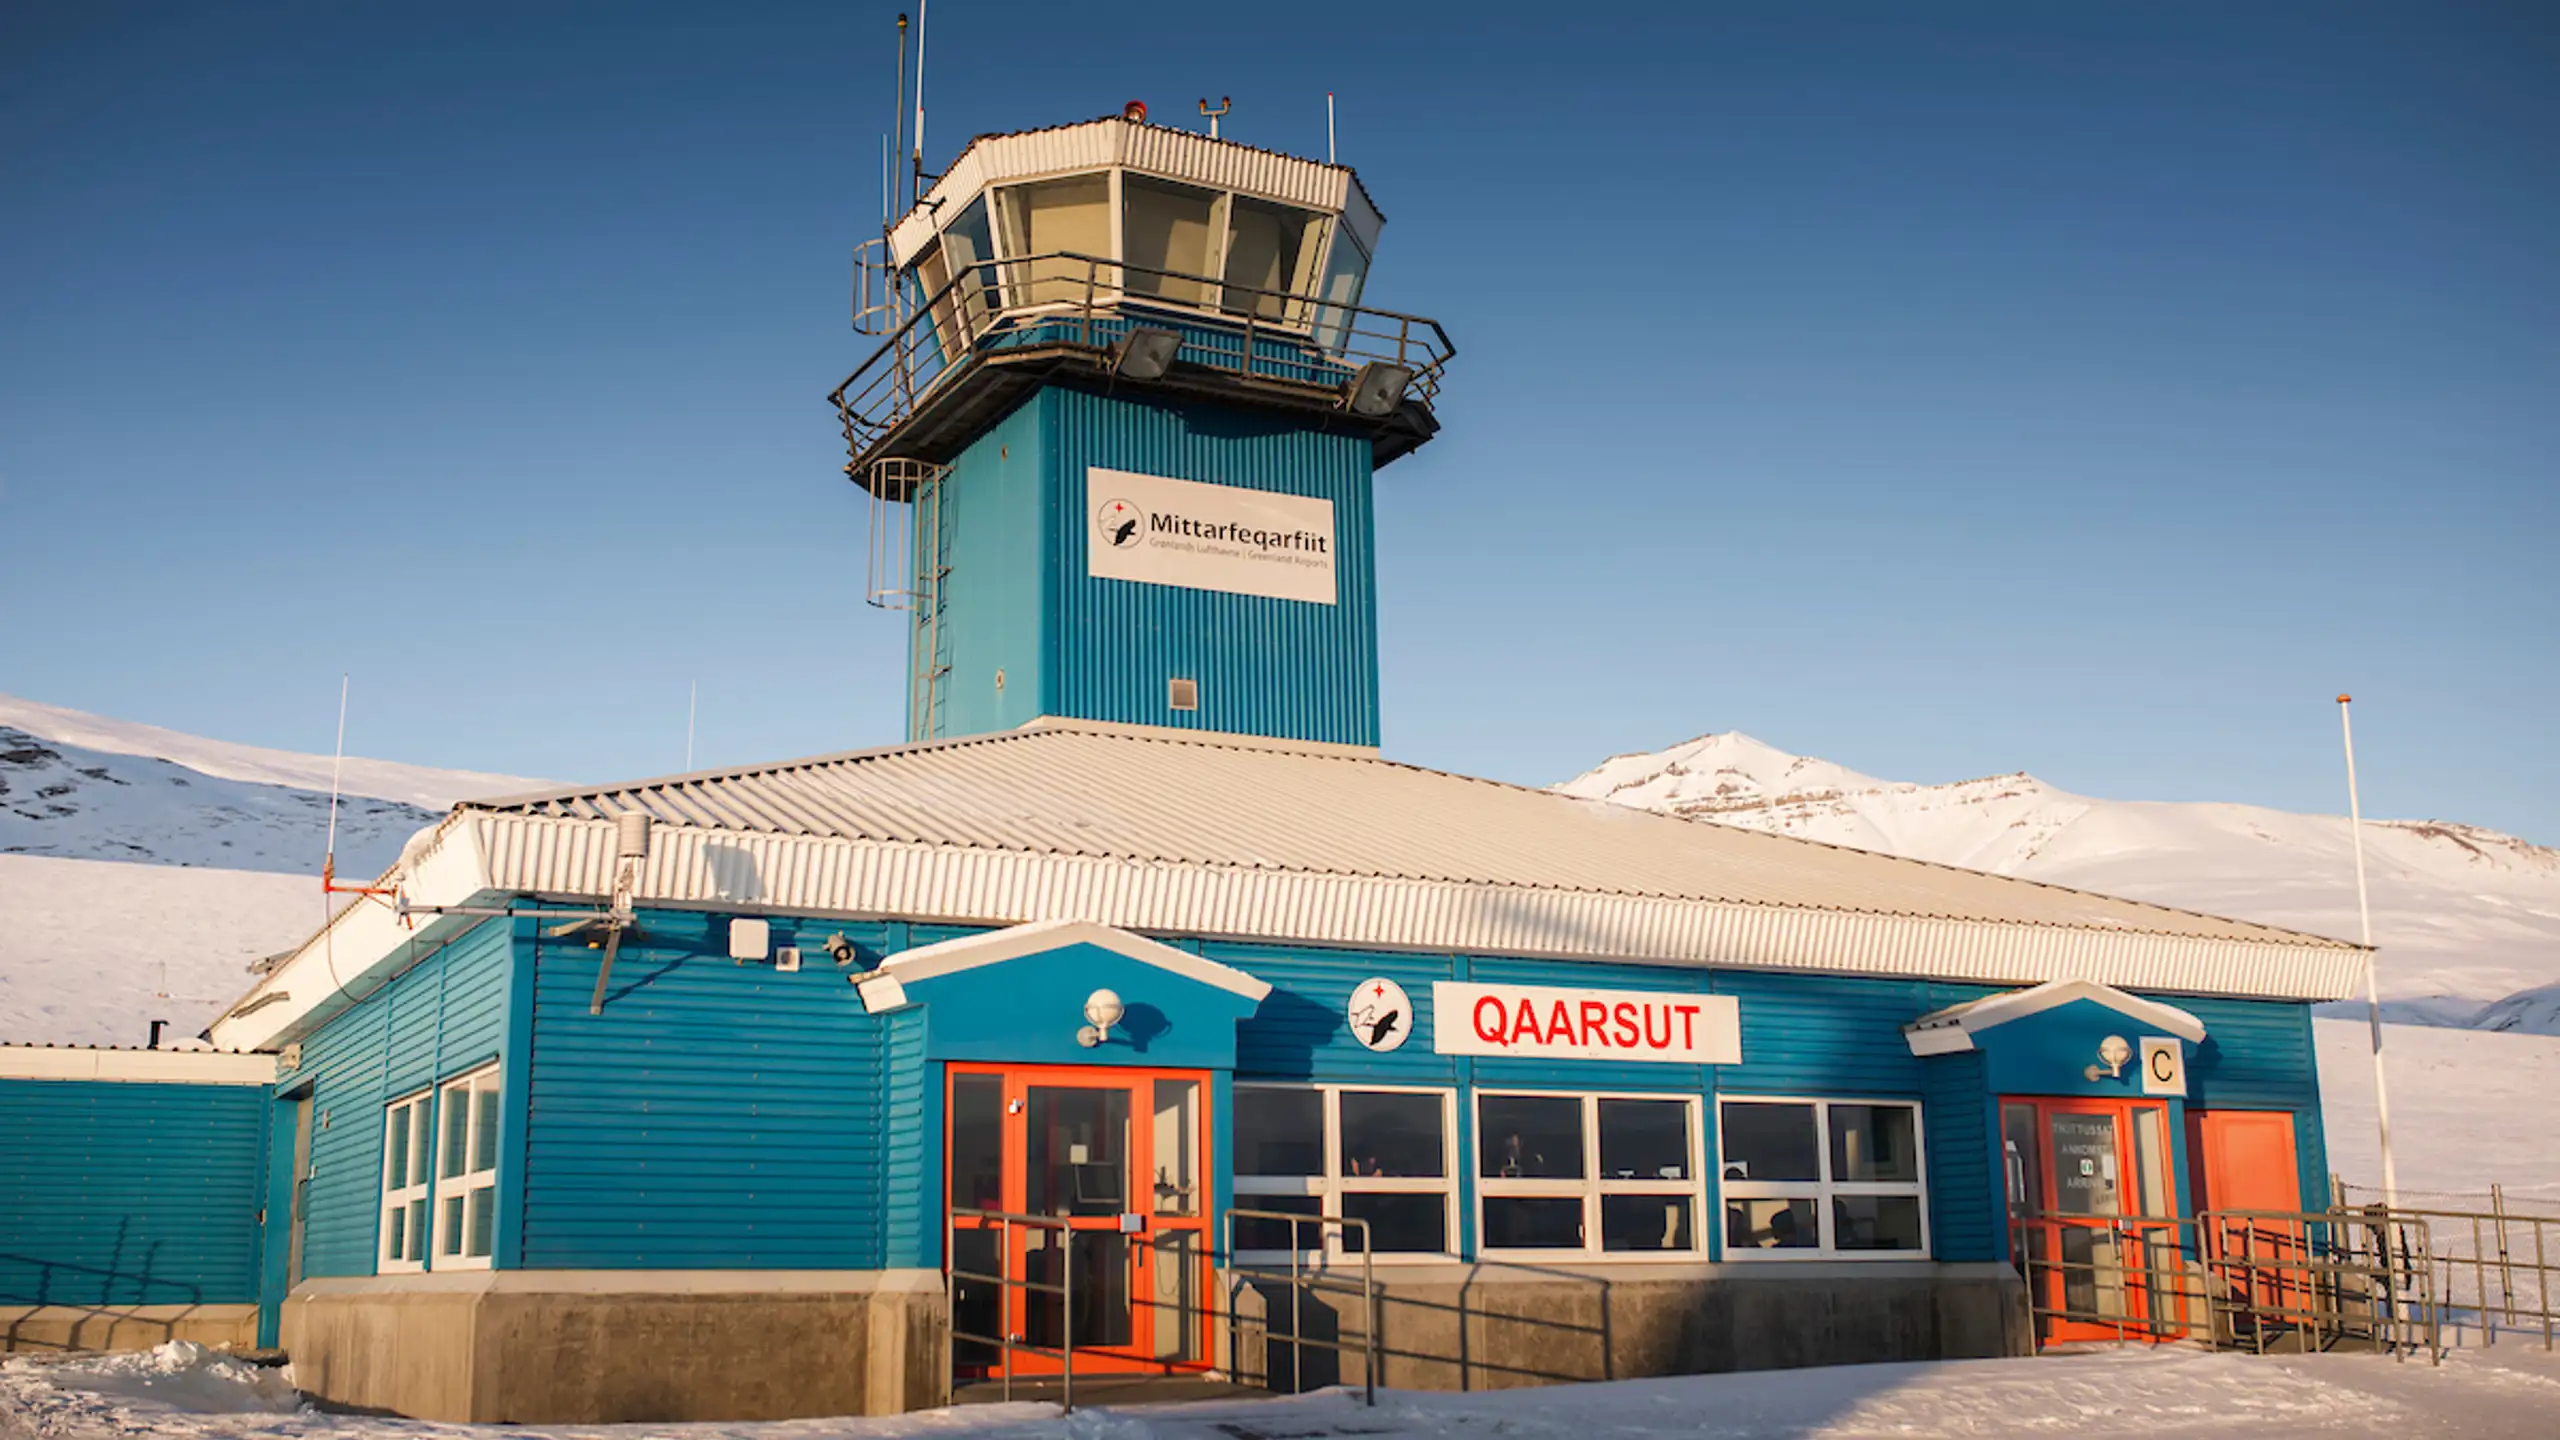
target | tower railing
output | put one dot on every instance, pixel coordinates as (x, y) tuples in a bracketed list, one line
[(1036, 315)]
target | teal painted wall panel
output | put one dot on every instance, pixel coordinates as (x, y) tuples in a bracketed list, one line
[(1028, 1010), (996, 556), (714, 1116), (1300, 1033), (444, 1016), (1826, 1034), (130, 1193), (1960, 1122), (911, 1105)]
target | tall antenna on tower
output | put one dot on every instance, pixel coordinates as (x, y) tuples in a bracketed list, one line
[(919, 142), (898, 125)]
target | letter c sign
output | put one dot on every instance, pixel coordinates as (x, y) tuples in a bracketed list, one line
[(2164, 1066)]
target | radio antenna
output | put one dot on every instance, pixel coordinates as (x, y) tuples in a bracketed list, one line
[(919, 145), (1328, 128), (337, 767), (898, 124)]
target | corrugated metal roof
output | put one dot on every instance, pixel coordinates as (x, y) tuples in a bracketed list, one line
[(1076, 790)]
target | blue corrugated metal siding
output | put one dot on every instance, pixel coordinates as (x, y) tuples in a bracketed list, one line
[(715, 1116), (444, 1016), (1266, 667), (129, 1194), (911, 1101), (1826, 1034), (1961, 1132), (1300, 1034), (995, 526)]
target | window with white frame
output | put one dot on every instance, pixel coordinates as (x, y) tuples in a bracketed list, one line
[(1587, 1174), (1810, 1179), (1373, 1153), (407, 1154), (467, 1170)]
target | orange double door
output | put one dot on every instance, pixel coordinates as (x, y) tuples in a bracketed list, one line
[(1106, 1173), (2093, 1214)]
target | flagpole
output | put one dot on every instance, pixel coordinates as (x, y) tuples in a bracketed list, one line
[(2372, 985)]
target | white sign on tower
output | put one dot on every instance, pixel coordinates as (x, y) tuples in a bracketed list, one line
[(1161, 531)]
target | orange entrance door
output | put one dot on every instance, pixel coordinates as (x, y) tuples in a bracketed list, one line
[(2243, 1161), (2092, 1217), (1104, 1173)]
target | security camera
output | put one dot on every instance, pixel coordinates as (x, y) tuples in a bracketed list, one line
[(841, 948)]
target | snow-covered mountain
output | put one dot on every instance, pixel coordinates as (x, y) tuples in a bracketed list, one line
[(2467, 920), (143, 870)]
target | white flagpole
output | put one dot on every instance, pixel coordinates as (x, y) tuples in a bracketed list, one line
[(2372, 985)]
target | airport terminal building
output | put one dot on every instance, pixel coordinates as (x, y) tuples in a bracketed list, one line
[(826, 1086)]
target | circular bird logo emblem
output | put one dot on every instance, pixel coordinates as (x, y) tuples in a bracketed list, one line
[(1122, 524), (1380, 1015)]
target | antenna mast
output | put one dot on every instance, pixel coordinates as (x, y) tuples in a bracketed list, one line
[(918, 161), (2372, 983), (898, 129)]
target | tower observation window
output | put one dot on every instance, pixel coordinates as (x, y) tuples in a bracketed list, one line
[(1168, 227), (1344, 274), (1073, 216), (1270, 247)]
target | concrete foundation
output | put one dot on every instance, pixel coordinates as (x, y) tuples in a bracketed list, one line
[(129, 1327), (565, 1346), (1490, 1325)]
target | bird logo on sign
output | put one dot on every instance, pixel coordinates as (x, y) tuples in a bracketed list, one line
[(1122, 525), (1380, 1014)]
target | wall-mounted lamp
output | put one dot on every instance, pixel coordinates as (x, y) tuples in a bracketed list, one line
[(2112, 1053), (1102, 1010)]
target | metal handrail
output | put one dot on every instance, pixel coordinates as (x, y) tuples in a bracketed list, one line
[(1297, 1294), (2490, 1231), (991, 300), (1006, 1343)]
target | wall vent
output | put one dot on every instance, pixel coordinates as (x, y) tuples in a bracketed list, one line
[(1183, 694)]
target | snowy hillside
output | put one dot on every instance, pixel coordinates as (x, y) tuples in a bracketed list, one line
[(2467, 920)]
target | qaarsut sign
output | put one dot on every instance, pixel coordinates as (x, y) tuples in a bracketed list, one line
[(1546, 1022)]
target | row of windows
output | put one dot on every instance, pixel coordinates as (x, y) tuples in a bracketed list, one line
[(1560, 1175), (441, 1144)]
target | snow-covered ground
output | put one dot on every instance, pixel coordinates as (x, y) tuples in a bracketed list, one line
[(2468, 1110), (2510, 1391), (2467, 920)]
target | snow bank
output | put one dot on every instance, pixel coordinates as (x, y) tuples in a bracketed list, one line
[(177, 1379)]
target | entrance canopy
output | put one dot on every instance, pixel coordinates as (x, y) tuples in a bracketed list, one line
[(1028, 994), (2067, 1037)]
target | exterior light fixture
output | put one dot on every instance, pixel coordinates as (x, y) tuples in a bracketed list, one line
[(2112, 1053), (1102, 1010), (1145, 353), (1378, 389)]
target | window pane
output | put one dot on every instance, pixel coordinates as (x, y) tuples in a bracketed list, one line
[(451, 1228), (1872, 1143), (1343, 276), (966, 246), (484, 1128), (1529, 1137), (1771, 1225), (1875, 1222), (484, 1219), (1071, 215), (1269, 247), (1391, 1134), (1167, 227), (1279, 1132), (421, 1141), (1770, 1142), (1398, 1224), (1520, 1222), (1255, 1233), (456, 1113), (399, 1178), (1645, 1222), (1644, 1140), (395, 1238), (1177, 1146), (418, 1231), (977, 1142)]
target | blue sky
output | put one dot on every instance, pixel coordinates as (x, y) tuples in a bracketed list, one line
[(1941, 390)]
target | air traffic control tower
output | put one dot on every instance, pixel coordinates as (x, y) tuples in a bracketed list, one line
[(1120, 435)]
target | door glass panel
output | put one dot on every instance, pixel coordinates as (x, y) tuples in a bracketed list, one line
[(1531, 1137), (977, 1313), (1387, 1133), (2019, 1152), (1177, 1147), (977, 1142), (1101, 1260), (1076, 1157), (2150, 1163), (1176, 1312), (2084, 1164)]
